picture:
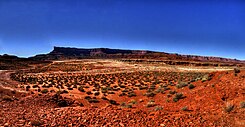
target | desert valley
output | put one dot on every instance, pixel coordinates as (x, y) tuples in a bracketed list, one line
[(124, 88)]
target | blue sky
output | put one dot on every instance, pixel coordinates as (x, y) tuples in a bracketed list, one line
[(199, 27)]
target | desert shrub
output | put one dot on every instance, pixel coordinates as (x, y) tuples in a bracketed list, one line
[(143, 87), (131, 94), (122, 86), (122, 94), (81, 89), (96, 93), (191, 86), (152, 87), (104, 98), (70, 88), (115, 89), (93, 100), (150, 94), (177, 97), (123, 104), (62, 103), (7, 98), (28, 88), (229, 107), (172, 92), (64, 91), (181, 84), (81, 104), (87, 97), (206, 77), (166, 88), (133, 101), (129, 105), (185, 108), (242, 104), (237, 70), (159, 90), (44, 91), (111, 92), (89, 93), (158, 108), (125, 90), (113, 102), (104, 91), (151, 103)]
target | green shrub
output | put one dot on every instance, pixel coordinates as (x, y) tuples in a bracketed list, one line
[(123, 104), (104, 98), (113, 102), (242, 104), (229, 107), (93, 100), (172, 92), (133, 101), (184, 108), (181, 84), (131, 94), (206, 77), (158, 108), (177, 97), (44, 91), (151, 103), (191, 86), (129, 105), (81, 89), (150, 94)]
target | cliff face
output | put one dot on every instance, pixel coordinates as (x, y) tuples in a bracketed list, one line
[(79, 53), (91, 52), (73, 53)]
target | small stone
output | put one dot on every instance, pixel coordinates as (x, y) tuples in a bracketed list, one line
[(121, 124), (162, 125), (6, 124)]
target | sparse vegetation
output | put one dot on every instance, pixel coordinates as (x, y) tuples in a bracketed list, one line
[(185, 108), (242, 104), (236, 70), (177, 97), (44, 91), (229, 107), (158, 108), (151, 103), (191, 86), (7, 98)]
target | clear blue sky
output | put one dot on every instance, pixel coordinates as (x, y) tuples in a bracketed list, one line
[(201, 27)]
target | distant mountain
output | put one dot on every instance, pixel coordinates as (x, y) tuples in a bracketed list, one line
[(59, 53), (11, 62)]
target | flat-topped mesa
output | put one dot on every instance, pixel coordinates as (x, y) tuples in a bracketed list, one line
[(59, 53), (94, 51)]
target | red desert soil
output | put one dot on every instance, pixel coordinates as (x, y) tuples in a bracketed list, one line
[(217, 98)]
